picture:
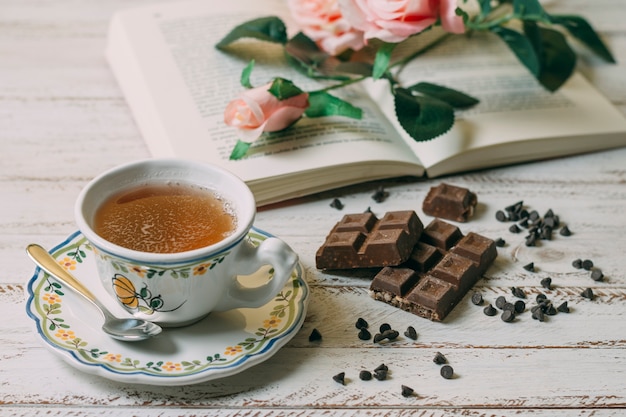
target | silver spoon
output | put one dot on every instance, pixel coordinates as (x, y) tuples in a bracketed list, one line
[(129, 329)]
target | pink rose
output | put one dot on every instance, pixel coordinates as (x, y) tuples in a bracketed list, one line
[(257, 111), (395, 20), (322, 21)]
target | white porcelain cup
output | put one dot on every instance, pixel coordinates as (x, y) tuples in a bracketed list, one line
[(177, 289)]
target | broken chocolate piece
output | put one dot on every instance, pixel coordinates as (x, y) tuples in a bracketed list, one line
[(363, 241), (435, 278), (450, 202)]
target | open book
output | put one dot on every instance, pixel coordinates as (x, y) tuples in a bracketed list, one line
[(177, 86)]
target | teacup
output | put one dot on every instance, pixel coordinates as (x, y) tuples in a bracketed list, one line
[(180, 288)]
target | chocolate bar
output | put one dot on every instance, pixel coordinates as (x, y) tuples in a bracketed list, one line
[(363, 241), (441, 269), (450, 202)]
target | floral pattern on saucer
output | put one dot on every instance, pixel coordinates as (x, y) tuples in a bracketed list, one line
[(254, 334)]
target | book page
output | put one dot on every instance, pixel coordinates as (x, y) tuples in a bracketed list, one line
[(178, 85), (516, 119)]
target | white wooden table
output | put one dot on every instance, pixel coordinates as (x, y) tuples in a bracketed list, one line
[(63, 120)]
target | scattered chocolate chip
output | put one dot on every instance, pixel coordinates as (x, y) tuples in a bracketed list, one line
[(361, 323), (520, 306), (537, 314), (340, 378), (447, 372), (500, 242), (587, 264), (411, 333), (365, 375), (518, 292), (588, 293), (364, 334), (541, 298), (547, 283), (531, 240), (337, 204), (489, 310), (382, 367), (380, 374), (500, 302), (508, 316), (597, 275), (477, 298), (530, 267), (514, 229), (577, 263), (315, 335), (508, 306), (563, 308), (550, 310), (391, 334), (378, 337), (440, 359), (384, 327), (501, 216), (407, 391), (565, 231), (380, 195)]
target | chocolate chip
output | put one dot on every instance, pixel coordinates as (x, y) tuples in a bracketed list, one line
[(577, 263), (531, 240), (378, 337), (411, 333), (501, 216), (340, 378), (391, 334), (508, 316), (440, 359), (447, 372), (520, 306), (547, 283), (514, 229), (337, 204), (315, 335), (541, 298), (563, 308), (384, 327), (587, 264), (500, 242), (380, 195), (565, 231), (381, 367), (597, 275), (550, 310), (588, 293), (407, 391), (500, 301), (489, 310), (508, 306), (537, 314), (361, 323), (518, 292), (365, 375), (477, 298), (364, 334), (380, 374), (530, 267)]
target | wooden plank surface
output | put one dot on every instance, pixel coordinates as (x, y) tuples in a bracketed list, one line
[(63, 120)]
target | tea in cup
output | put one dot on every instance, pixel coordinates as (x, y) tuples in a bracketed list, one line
[(170, 238)]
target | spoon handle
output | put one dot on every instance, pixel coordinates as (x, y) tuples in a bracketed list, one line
[(46, 262)]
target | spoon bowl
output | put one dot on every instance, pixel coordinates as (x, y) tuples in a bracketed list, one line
[(125, 329)]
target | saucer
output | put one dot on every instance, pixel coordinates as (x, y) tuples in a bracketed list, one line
[(220, 345)]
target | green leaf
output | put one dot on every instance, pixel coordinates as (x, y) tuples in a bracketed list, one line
[(240, 150), (422, 117), (356, 67), (323, 104), (270, 29), (381, 62), (245, 75), (530, 10), (557, 60), (453, 97), (579, 28), (283, 89), (521, 47), (485, 7)]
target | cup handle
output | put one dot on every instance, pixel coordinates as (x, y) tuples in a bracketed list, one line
[(249, 259)]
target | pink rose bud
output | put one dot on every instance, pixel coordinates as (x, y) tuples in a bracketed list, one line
[(256, 111)]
